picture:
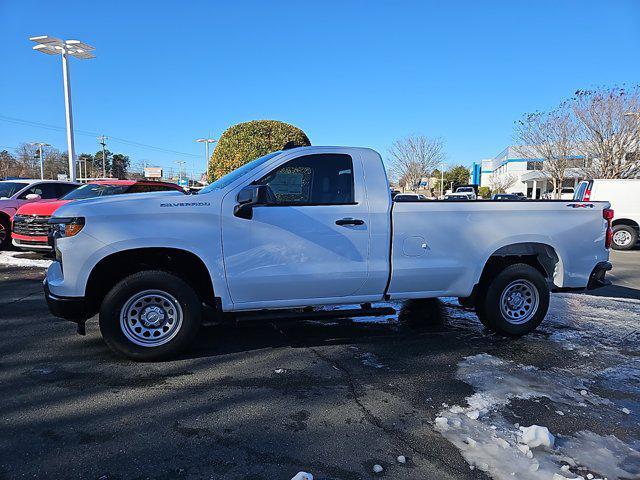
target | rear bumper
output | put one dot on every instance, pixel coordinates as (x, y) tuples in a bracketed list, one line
[(597, 278), (69, 308)]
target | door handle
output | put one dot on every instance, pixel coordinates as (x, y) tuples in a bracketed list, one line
[(349, 221)]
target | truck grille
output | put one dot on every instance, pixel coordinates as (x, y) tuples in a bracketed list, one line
[(31, 225)]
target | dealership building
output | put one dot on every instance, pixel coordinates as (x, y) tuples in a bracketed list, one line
[(520, 164)]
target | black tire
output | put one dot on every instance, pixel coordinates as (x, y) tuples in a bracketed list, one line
[(518, 318), (631, 237), (161, 290), (5, 233)]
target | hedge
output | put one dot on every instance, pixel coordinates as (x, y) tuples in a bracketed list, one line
[(244, 142)]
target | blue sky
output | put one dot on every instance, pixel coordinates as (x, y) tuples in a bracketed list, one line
[(347, 73)]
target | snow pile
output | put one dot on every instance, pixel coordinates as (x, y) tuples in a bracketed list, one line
[(489, 442), (537, 436), (21, 259), (302, 476)]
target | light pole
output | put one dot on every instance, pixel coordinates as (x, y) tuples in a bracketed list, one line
[(77, 49), (180, 164), (40, 145), (206, 142)]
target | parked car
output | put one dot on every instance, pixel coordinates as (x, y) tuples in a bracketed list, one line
[(458, 196), (310, 227), (409, 197), (508, 196), (469, 191), (30, 224), (16, 193), (624, 196), (566, 193)]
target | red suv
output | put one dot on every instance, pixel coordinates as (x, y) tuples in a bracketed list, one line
[(30, 223)]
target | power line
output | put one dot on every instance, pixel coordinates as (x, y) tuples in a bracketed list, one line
[(19, 121)]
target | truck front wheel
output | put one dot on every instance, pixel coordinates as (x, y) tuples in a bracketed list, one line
[(514, 302), (150, 315)]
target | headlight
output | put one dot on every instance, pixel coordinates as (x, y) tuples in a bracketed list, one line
[(62, 227)]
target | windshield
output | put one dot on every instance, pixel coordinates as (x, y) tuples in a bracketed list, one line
[(92, 190), (9, 189), (232, 176)]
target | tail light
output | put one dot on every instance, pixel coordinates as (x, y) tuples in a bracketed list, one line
[(607, 214)]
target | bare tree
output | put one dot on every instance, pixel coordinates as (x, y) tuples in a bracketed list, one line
[(500, 183), (414, 157), (551, 136), (8, 165), (609, 121)]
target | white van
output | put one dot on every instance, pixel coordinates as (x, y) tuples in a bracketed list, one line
[(624, 196)]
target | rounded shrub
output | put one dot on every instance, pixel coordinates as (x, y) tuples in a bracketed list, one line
[(244, 142)]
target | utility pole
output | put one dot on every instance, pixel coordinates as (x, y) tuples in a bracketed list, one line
[(40, 145), (442, 180), (77, 49), (103, 142)]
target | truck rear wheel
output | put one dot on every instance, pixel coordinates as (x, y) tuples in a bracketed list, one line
[(150, 315), (625, 237), (515, 301)]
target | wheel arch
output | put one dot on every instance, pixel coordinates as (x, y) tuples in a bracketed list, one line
[(541, 256), (116, 266), (625, 221)]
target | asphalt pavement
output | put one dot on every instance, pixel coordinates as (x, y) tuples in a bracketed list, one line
[(265, 400)]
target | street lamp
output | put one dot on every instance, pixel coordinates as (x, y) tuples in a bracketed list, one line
[(40, 145), (77, 49), (180, 164), (206, 142)]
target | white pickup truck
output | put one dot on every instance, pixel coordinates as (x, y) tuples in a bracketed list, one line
[(309, 227)]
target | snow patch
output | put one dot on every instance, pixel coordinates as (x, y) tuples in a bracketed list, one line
[(302, 476), (21, 259), (489, 442)]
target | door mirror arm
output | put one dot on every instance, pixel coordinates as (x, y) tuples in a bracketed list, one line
[(252, 196)]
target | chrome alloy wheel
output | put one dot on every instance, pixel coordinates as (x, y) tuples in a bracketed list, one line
[(519, 302), (622, 238), (151, 318)]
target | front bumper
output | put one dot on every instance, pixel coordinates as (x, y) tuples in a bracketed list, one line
[(69, 308), (597, 278), (24, 242)]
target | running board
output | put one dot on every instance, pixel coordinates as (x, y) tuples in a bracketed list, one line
[(313, 315)]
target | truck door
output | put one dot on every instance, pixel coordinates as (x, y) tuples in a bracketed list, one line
[(311, 243)]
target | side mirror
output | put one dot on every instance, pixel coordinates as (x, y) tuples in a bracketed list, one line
[(252, 196), (33, 196)]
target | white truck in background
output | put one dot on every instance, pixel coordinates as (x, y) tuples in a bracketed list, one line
[(624, 197), (309, 227)]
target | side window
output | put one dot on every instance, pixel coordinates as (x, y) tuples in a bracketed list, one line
[(45, 190), (322, 179), (64, 188), (161, 188), (139, 188)]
